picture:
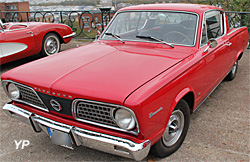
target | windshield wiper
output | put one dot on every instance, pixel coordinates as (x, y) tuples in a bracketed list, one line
[(115, 36), (153, 38)]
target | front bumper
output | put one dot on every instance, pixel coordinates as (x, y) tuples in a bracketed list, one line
[(82, 137)]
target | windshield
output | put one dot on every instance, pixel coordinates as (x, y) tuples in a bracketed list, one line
[(172, 27)]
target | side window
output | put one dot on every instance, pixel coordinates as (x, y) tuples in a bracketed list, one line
[(214, 24), (230, 23)]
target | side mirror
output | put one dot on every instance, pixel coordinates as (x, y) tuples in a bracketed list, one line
[(212, 43)]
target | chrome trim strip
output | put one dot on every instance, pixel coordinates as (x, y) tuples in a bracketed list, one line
[(10, 81), (206, 97), (74, 103), (70, 35), (235, 30), (82, 137), (196, 32)]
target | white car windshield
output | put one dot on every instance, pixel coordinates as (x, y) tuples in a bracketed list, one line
[(154, 26)]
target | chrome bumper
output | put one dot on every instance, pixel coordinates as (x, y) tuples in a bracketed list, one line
[(70, 35), (82, 137)]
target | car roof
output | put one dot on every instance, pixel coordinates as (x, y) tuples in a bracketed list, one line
[(198, 8)]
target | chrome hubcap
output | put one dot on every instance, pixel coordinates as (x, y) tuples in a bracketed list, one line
[(51, 45), (174, 128)]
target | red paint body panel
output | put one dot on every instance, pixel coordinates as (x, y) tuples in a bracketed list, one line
[(138, 75), (99, 63), (32, 36)]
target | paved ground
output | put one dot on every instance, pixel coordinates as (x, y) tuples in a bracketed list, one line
[(219, 129)]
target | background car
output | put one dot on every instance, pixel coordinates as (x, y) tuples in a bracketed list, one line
[(20, 40)]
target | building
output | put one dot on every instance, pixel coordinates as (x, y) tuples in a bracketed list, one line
[(106, 3), (89, 20), (14, 7), (34, 2)]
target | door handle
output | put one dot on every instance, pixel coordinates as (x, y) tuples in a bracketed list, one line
[(30, 32), (229, 44)]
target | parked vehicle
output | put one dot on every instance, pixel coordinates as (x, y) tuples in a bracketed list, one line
[(135, 87), (20, 40)]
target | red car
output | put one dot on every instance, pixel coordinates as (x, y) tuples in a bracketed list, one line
[(20, 40), (135, 87)]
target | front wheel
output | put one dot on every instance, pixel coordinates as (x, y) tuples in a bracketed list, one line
[(232, 74), (51, 44), (175, 132)]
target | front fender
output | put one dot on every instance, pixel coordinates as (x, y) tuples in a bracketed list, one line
[(178, 97)]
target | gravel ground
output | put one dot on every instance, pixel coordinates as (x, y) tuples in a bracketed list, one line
[(219, 129)]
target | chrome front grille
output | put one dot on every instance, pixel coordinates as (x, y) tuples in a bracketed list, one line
[(29, 96), (95, 112), (87, 111)]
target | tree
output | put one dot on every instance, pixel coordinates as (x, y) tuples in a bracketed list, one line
[(229, 5), (242, 19)]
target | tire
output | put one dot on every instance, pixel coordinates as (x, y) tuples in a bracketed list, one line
[(232, 74), (51, 44), (175, 132)]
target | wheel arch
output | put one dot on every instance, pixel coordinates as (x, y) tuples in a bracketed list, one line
[(189, 98), (239, 55), (54, 32), (186, 94)]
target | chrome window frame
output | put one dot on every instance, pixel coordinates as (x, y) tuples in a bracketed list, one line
[(204, 21), (235, 30), (21, 101), (75, 101), (173, 11)]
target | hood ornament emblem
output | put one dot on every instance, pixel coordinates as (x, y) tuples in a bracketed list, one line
[(56, 105)]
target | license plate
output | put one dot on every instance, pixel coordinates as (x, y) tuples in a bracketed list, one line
[(60, 138)]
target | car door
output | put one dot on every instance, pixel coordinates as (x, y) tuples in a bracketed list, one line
[(17, 41), (214, 61)]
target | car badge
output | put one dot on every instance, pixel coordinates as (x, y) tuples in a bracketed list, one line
[(153, 113), (56, 105)]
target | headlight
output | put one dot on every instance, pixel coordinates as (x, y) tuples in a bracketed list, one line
[(124, 119), (13, 91)]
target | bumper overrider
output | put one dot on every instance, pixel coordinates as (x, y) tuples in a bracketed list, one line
[(79, 136)]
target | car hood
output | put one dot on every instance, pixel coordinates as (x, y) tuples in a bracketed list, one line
[(98, 71)]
